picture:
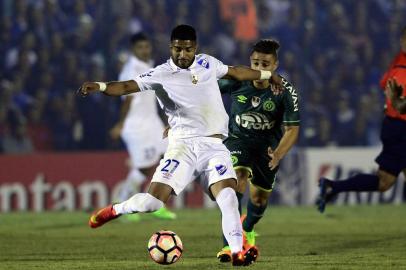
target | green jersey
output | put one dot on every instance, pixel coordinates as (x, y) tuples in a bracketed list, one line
[(257, 115)]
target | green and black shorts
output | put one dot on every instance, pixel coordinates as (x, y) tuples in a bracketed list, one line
[(254, 158)]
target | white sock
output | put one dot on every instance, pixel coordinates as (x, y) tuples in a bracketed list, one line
[(232, 228), (140, 202), (132, 184)]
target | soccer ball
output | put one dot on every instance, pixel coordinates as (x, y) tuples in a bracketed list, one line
[(165, 247)]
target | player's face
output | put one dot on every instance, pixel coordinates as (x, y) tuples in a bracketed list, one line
[(183, 52), (143, 50), (263, 61)]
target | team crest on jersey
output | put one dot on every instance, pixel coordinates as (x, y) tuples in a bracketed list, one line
[(255, 101), (221, 169), (204, 63), (195, 79), (269, 105)]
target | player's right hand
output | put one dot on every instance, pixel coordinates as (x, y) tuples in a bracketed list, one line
[(87, 88), (276, 84)]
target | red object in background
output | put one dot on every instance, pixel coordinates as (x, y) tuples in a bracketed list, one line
[(66, 181), (59, 180)]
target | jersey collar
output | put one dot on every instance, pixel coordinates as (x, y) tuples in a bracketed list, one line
[(176, 68)]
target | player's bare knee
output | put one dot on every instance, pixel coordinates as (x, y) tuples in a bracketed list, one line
[(258, 200), (219, 186), (160, 191), (242, 179), (242, 174), (241, 185)]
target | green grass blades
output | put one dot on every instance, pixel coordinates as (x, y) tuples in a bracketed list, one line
[(361, 237)]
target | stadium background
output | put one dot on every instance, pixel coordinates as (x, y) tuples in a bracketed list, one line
[(334, 52)]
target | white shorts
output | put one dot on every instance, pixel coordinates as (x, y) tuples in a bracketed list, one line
[(185, 160), (145, 149)]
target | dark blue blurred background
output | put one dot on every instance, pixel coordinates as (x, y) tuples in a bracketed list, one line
[(334, 52)]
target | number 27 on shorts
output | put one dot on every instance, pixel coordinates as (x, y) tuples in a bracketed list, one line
[(170, 165)]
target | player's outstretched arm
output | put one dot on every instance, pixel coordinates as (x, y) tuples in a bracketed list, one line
[(394, 93), (109, 88), (288, 140), (241, 73)]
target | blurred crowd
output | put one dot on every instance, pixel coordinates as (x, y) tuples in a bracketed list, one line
[(334, 52)]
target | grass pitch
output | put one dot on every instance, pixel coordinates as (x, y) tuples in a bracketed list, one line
[(362, 237)]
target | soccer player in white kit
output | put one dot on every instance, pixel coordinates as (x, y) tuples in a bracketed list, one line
[(187, 90), (140, 125)]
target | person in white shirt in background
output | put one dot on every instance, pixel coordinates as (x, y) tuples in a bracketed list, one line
[(140, 126), (187, 90)]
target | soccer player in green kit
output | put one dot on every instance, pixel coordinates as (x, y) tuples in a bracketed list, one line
[(263, 126)]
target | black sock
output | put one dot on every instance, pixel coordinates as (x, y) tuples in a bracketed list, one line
[(358, 182), (239, 198), (254, 214)]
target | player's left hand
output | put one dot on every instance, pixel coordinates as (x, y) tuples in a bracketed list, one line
[(275, 158)]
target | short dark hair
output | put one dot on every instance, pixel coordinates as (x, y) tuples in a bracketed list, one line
[(267, 46), (183, 32), (140, 36)]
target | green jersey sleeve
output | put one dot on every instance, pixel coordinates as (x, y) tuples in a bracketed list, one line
[(291, 115), (227, 86)]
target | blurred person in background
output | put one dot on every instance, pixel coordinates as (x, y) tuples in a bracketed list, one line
[(16, 139), (392, 159), (140, 126)]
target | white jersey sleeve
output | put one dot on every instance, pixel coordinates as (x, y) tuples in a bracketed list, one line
[(148, 80), (221, 69)]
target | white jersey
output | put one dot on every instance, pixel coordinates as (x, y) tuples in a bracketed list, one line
[(190, 97), (143, 112)]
